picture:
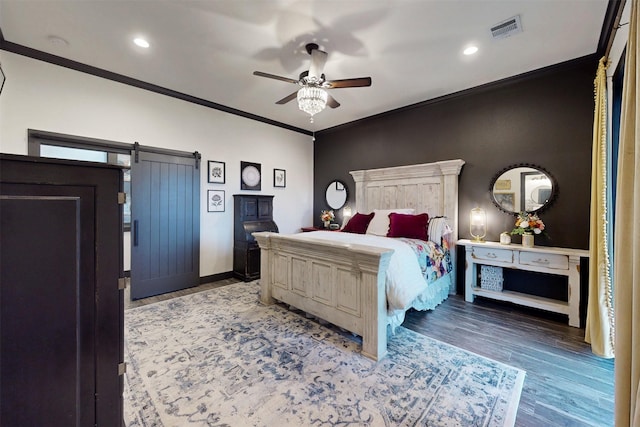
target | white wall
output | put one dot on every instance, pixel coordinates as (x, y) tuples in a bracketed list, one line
[(41, 96)]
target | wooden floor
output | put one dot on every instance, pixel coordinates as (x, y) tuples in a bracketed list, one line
[(565, 385)]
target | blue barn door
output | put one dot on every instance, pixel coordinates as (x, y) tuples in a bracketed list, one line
[(165, 228)]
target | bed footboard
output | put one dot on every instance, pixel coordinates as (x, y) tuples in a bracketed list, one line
[(342, 284)]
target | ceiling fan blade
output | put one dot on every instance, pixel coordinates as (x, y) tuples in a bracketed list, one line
[(288, 98), (359, 82), (331, 102), (273, 76), (318, 60)]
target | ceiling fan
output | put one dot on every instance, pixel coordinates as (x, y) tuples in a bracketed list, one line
[(313, 97)]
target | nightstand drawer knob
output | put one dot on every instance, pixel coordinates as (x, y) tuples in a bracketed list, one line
[(541, 261)]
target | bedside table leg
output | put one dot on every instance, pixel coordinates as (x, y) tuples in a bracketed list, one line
[(469, 275), (574, 291)]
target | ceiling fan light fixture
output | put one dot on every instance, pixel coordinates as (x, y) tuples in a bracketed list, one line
[(312, 100)]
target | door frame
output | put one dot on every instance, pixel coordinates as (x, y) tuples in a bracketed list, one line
[(35, 138)]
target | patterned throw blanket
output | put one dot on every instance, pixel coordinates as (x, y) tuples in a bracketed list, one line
[(434, 261)]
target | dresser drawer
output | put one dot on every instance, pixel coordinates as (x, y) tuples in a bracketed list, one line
[(554, 261), (491, 254)]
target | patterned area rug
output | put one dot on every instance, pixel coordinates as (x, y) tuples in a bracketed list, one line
[(220, 358)]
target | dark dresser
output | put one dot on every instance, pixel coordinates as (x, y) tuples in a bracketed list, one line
[(252, 213)]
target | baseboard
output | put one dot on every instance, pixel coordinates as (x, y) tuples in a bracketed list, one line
[(204, 279), (216, 277)]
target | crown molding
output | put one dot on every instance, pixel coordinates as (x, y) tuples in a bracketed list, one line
[(99, 72)]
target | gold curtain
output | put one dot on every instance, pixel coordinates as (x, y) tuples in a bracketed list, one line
[(627, 243), (599, 330)]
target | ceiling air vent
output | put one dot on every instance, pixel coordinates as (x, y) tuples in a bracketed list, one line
[(507, 28)]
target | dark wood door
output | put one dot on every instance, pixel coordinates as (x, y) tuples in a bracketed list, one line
[(165, 208), (61, 312), (43, 343)]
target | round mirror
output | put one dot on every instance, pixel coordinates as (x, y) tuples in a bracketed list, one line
[(523, 188), (336, 194)]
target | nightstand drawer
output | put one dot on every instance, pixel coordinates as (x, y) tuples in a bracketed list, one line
[(492, 254), (557, 262)]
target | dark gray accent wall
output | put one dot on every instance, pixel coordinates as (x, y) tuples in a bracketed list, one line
[(543, 118)]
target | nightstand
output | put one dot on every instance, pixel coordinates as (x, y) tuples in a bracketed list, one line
[(542, 259), (306, 229)]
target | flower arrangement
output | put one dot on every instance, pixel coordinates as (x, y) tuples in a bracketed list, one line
[(528, 223), (327, 216)]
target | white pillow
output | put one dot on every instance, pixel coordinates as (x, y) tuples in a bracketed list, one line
[(379, 225)]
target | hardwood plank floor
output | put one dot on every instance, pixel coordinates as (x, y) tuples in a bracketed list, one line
[(565, 385)]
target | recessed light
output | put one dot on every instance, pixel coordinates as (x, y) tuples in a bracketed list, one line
[(57, 40), (470, 50), (141, 42)]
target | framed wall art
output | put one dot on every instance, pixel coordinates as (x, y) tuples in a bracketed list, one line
[(215, 200), (507, 200), (502, 184), (250, 176), (216, 172), (279, 178)]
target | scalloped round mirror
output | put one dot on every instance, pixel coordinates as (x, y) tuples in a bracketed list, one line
[(336, 194), (523, 188)]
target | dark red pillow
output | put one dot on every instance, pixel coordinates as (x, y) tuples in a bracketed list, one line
[(358, 223), (410, 226)]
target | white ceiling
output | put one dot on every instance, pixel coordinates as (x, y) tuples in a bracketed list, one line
[(412, 49)]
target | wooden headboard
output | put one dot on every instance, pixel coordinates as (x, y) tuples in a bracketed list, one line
[(427, 187)]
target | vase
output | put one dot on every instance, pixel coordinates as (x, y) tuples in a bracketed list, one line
[(527, 240), (505, 238), (326, 224)]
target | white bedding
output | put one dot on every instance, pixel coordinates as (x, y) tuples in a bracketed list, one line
[(404, 281)]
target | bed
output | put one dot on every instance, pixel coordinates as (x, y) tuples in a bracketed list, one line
[(344, 280)]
